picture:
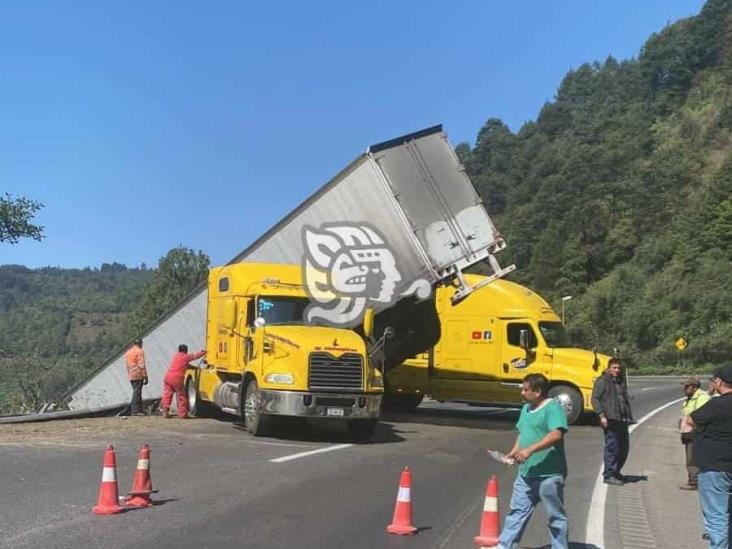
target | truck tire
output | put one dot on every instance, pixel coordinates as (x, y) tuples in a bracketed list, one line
[(570, 399), (361, 430), (196, 406), (402, 403), (254, 421)]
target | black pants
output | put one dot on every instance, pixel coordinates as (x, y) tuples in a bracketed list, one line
[(617, 446), (692, 471), (136, 404)]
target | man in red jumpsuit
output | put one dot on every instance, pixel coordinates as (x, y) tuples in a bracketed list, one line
[(173, 381)]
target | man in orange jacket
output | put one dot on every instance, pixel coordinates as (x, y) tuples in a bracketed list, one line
[(173, 381), (137, 374)]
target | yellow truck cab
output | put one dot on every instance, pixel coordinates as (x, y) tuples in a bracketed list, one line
[(264, 361), (488, 343)]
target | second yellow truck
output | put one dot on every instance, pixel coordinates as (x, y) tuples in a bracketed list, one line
[(488, 343)]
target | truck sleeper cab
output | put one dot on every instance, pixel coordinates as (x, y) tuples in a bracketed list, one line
[(264, 361), (488, 344)]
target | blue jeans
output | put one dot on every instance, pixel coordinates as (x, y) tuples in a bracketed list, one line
[(617, 446), (527, 492), (714, 493)]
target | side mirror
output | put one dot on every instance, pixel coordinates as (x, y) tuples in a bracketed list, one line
[(524, 339), (259, 322), (389, 332), (368, 322)]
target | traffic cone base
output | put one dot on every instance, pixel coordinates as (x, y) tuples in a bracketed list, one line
[(138, 501), (108, 502), (401, 530), (107, 509), (401, 524), (139, 496)]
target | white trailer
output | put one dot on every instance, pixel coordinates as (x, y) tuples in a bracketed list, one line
[(398, 220)]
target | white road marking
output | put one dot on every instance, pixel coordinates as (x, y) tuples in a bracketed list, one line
[(595, 528), (647, 388), (266, 443), (457, 524), (310, 453), (652, 413)]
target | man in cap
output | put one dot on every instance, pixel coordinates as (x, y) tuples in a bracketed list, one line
[(713, 457), (696, 397)]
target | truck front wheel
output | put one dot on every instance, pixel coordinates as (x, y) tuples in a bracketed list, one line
[(570, 399), (361, 430), (254, 421), (196, 406)]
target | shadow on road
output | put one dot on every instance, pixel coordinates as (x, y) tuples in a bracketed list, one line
[(302, 430), (632, 479), (163, 501), (393, 422), (502, 419)]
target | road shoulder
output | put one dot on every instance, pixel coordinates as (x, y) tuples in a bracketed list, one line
[(653, 512)]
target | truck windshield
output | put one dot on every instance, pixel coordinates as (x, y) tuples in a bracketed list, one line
[(282, 310), (554, 334)]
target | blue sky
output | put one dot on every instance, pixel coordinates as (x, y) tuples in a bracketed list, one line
[(145, 125)]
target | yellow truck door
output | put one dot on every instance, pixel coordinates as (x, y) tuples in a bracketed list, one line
[(516, 363), (465, 359)]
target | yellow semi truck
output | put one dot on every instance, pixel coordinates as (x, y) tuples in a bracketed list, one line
[(263, 361), (488, 343)]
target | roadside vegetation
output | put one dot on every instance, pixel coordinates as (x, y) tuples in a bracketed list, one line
[(620, 195), (58, 325)]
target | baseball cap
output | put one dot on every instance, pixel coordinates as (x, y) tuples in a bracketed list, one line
[(724, 373), (693, 381)]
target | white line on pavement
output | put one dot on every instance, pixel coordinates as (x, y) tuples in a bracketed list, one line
[(457, 524), (310, 453), (595, 528), (647, 388), (267, 443)]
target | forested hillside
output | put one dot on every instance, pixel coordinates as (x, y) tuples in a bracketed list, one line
[(620, 195), (57, 324)]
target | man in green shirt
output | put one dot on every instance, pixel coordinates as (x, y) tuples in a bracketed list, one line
[(695, 399), (539, 451)]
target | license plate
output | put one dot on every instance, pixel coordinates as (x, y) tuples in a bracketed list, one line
[(335, 412)]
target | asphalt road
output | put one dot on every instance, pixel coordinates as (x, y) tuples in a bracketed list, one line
[(219, 487)]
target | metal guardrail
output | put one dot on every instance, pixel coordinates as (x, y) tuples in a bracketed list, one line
[(70, 414)]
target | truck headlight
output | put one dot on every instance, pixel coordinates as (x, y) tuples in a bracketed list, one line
[(282, 379), (377, 381)]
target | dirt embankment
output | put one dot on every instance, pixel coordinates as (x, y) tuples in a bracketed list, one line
[(98, 430)]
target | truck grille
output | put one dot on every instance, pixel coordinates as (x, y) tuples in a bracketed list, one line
[(334, 374)]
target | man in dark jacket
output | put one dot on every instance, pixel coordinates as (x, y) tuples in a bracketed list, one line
[(610, 401)]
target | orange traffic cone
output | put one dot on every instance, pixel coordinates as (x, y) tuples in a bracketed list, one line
[(139, 496), (490, 522), (402, 522), (108, 502)]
